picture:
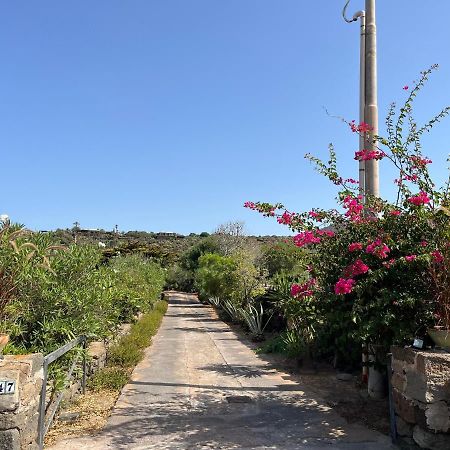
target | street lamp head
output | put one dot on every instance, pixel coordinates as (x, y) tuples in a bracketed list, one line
[(355, 17)]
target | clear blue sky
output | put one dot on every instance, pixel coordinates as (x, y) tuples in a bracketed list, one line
[(169, 114)]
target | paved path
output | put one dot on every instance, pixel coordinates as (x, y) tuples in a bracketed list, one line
[(200, 387)]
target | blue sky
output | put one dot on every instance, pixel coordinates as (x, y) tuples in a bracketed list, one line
[(169, 114)]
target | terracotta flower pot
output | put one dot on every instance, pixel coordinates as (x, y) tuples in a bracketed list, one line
[(4, 339), (440, 337)]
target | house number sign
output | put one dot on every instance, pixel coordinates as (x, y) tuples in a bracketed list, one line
[(7, 387)]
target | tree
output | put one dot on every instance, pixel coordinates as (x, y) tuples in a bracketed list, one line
[(230, 237)]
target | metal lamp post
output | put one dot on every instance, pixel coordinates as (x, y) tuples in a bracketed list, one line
[(368, 113), (368, 95)]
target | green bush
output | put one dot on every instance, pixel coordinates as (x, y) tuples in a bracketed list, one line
[(109, 378), (139, 282), (129, 350), (57, 293)]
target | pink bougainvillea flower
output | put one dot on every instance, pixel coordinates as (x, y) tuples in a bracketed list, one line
[(423, 243), (305, 238), (437, 256), (354, 208), (303, 290), (396, 212), (351, 181), (344, 286), (250, 205), (359, 268), (328, 233), (388, 264), (368, 155), (378, 248), (315, 215), (419, 199), (361, 128), (355, 247), (405, 88), (285, 218), (311, 237), (411, 258), (420, 162), (414, 177)]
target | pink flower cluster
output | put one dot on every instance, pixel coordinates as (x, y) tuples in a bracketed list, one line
[(354, 207), (285, 218), (303, 290), (411, 258), (368, 155), (361, 128), (355, 247), (378, 248), (311, 237), (315, 215), (265, 208), (437, 257), (388, 264), (305, 238), (395, 212), (358, 268), (344, 286), (420, 162), (419, 199)]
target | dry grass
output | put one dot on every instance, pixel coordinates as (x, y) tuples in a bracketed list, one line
[(94, 409)]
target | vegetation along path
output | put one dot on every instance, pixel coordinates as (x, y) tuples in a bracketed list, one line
[(200, 387)]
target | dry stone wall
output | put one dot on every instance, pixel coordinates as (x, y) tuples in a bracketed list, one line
[(19, 411), (421, 395)]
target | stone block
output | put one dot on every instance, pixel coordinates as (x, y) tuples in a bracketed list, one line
[(416, 386), (438, 417), (404, 407), (27, 365), (437, 373), (432, 441), (398, 381), (96, 350), (398, 366), (9, 440), (403, 428), (405, 354), (10, 402)]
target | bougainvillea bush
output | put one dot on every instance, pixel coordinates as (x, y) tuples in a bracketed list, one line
[(373, 261)]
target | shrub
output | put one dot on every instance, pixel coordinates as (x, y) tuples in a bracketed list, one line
[(61, 292), (370, 278), (129, 350), (109, 378)]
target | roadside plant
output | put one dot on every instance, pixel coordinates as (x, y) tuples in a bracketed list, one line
[(215, 301), (255, 319), (370, 278), (233, 310)]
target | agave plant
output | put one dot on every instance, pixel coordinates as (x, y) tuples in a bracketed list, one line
[(233, 310), (215, 301), (254, 318)]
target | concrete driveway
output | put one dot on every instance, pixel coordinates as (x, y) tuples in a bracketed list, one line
[(200, 387)]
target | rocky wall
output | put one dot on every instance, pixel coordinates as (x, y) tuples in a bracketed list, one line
[(421, 395)]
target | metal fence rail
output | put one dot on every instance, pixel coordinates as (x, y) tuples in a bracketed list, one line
[(47, 414)]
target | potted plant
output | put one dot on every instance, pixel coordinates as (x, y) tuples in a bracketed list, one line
[(440, 275)]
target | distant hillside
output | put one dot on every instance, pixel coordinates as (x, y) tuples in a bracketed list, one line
[(164, 246)]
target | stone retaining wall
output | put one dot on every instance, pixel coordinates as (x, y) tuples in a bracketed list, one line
[(19, 411), (421, 394)]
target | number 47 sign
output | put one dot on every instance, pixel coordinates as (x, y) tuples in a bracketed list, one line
[(7, 387)]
